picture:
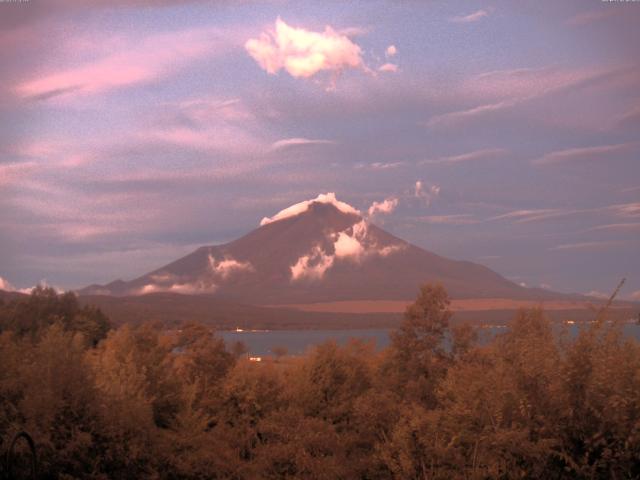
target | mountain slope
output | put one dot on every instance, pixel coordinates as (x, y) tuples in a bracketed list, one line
[(318, 251)]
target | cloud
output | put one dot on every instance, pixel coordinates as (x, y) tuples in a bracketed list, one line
[(587, 245), (312, 266), (451, 118), (615, 226), (597, 294), (141, 61), (524, 216), (388, 67), (297, 141), (585, 18), (472, 17), (352, 244), (459, 219), (298, 208), (470, 156), (634, 295), (390, 51), (380, 165), (624, 209), (195, 288), (427, 194), (6, 286), (228, 266), (347, 246), (630, 117), (497, 91), (10, 172), (582, 154), (385, 207), (303, 53)]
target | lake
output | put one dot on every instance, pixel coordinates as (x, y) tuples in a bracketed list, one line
[(262, 342)]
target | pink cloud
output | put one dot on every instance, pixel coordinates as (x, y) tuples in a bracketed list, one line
[(388, 67), (471, 18), (297, 141), (138, 62), (585, 18), (485, 154), (584, 153), (385, 207)]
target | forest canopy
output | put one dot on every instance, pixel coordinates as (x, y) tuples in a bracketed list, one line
[(143, 402)]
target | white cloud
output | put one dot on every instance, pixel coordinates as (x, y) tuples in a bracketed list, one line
[(312, 266), (635, 295), (597, 294), (352, 244), (293, 142), (427, 194), (390, 249), (390, 51), (227, 266), (379, 165), (183, 288), (304, 53), (385, 207), (298, 208), (8, 287), (472, 17), (347, 246)]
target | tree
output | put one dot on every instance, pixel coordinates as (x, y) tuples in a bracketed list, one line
[(417, 356)]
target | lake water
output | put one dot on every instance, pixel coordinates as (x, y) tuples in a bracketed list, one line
[(262, 342)]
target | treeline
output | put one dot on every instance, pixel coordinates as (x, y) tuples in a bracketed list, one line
[(138, 402)]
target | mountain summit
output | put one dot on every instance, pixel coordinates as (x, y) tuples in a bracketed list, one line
[(319, 250)]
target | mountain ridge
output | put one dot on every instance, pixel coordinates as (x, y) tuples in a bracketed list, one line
[(320, 250)]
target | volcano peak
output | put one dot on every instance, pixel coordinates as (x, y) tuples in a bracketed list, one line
[(328, 198)]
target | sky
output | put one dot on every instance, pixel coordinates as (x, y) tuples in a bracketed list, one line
[(505, 133)]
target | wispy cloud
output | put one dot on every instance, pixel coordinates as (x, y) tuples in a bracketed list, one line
[(139, 61), (630, 117), (592, 16), (524, 216), (615, 227), (583, 154), (380, 165), (451, 118), (587, 245), (299, 141), (623, 210), (502, 90), (470, 18), (457, 219), (470, 156)]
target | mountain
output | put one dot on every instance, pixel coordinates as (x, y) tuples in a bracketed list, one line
[(320, 250)]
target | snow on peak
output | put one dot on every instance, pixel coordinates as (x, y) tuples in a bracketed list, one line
[(302, 207)]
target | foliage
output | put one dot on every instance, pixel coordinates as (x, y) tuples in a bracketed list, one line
[(144, 402)]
